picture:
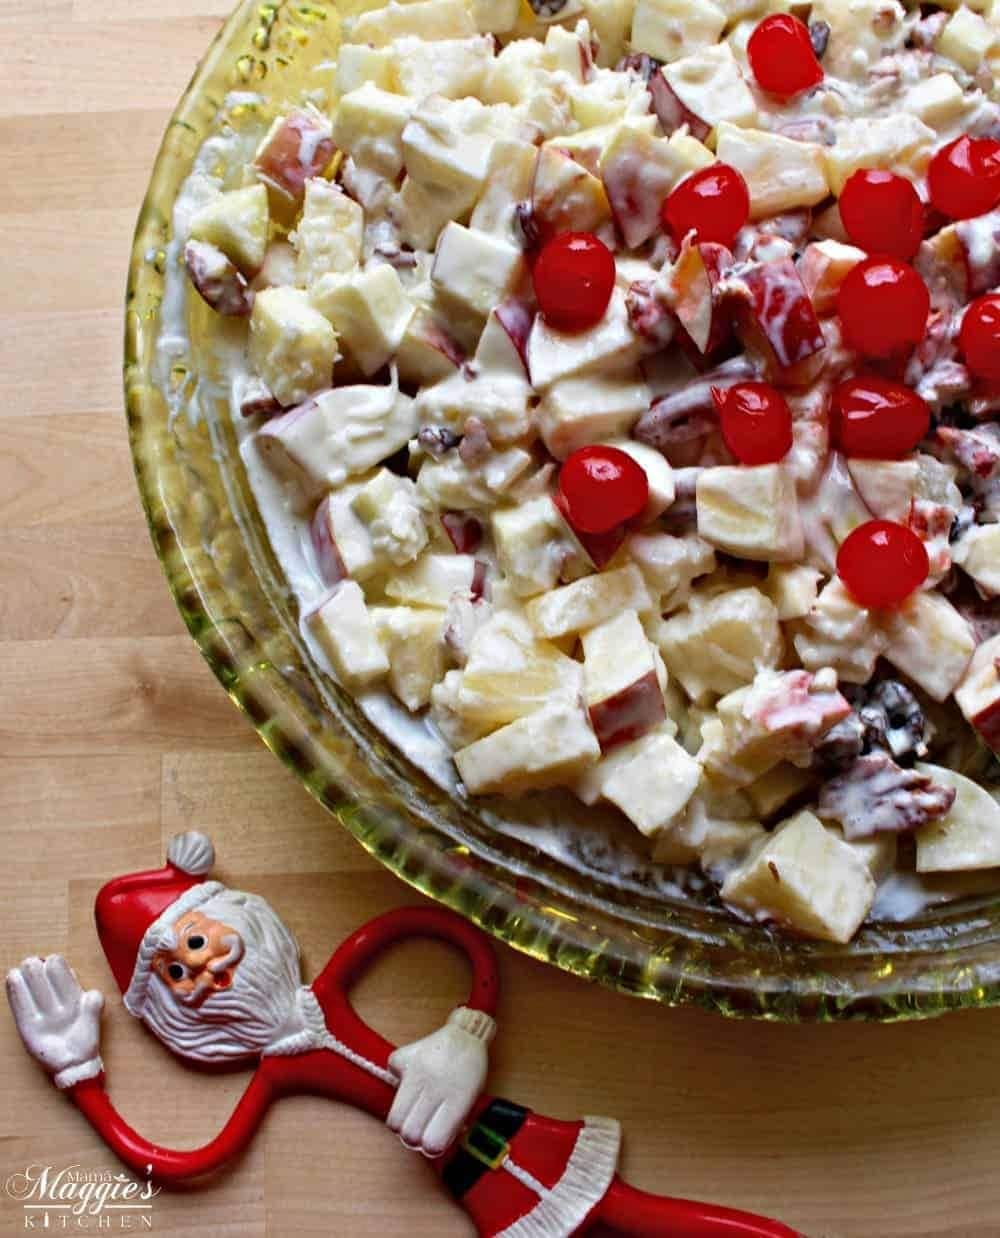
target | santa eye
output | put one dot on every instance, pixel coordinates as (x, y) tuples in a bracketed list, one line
[(176, 971), (195, 941)]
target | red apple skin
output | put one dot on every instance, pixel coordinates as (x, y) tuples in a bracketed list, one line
[(600, 548), (702, 312), (281, 162), (987, 723), (671, 113), (628, 714), (777, 317), (464, 531), (982, 275), (517, 318), (331, 565), (217, 281)]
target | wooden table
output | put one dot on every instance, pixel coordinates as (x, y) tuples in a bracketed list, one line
[(114, 735)]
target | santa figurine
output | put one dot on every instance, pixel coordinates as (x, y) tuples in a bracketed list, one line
[(214, 974)]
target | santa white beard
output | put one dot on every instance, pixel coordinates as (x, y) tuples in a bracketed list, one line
[(260, 1007)]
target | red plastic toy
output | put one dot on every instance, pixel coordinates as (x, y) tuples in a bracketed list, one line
[(214, 973)]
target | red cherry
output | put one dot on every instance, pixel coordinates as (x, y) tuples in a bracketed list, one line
[(574, 278), (875, 419), (882, 562), (756, 422), (782, 57), (883, 307), (979, 337), (714, 203), (882, 213), (964, 177), (602, 487)]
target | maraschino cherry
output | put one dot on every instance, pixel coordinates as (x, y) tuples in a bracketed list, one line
[(882, 563), (979, 337), (713, 204), (782, 58), (882, 213), (883, 306), (756, 422), (574, 278), (963, 179), (876, 419), (601, 488)]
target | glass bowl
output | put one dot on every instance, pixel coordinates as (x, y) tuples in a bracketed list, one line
[(636, 938)]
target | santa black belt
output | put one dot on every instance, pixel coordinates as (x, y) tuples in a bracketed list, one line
[(484, 1146)]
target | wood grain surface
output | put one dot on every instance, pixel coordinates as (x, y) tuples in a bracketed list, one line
[(114, 734)]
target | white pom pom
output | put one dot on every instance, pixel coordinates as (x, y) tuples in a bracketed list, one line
[(191, 852)]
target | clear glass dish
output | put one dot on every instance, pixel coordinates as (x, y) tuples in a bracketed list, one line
[(211, 542)]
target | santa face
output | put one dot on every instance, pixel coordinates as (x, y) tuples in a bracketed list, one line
[(203, 960), (224, 980)]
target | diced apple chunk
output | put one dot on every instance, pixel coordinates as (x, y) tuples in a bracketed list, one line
[(339, 434), (823, 268), (840, 633), (780, 173), (778, 787), (449, 142), (807, 879), (669, 564), (413, 642), (966, 39), (343, 627), (751, 512), (588, 602), (929, 640), (554, 355), (861, 31), (659, 477), (968, 835), (792, 588), (887, 487), (545, 749), (292, 346), (977, 552), (369, 311), (900, 143), (710, 85), (651, 781), (433, 579), (938, 100), (295, 149), (978, 694), (670, 29), (453, 68), (328, 236), (623, 693), (217, 280), (237, 223), (638, 172), (499, 401), (577, 412), (369, 127), (719, 644), (509, 178), (427, 352), (427, 19), (565, 197), (358, 63), (530, 545), (476, 270)]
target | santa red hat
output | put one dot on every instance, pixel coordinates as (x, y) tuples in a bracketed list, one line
[(132, 912)]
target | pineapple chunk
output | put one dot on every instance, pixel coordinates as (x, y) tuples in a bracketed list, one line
[(774, 790), (966, 39), (669, 565), (710, 85), (449, 484), (977, 552), (840, 633), (476, 270), (499, 401), (718, 645), (807, 879), (554, 355), (237, 223), (530, 545), (671, 29), (899, 143), (339, 434), (878, 852), (623, 693), (929, 640), (780, 173), (564, 49), (938, 101), (823, 268), (978, 695), (413, 642), (650, 780), (860, 30), (328, 237), (588, 602), (520, 69), (968, 835), (546, 749), (495, 16), (427, 19), (693, 154), (387, 506), (343, 627), (509, 177), (611, 21), (357, 63), (576, 412), (292, 347), (369, 311), (433, 579), (887, 487), (369, 127), (453, 68), (714, 828), (750, 512), (792, 588)]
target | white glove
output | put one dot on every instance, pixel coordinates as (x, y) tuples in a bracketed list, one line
[(58, 1022), (441, 1078)]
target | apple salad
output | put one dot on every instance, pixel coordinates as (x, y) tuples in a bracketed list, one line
[(632, 369)]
